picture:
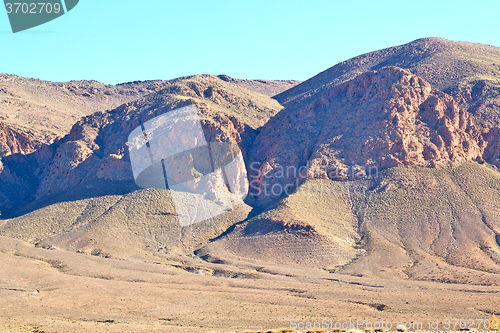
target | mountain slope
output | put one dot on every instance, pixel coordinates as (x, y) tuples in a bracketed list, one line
[(420, 223), (303, 229)]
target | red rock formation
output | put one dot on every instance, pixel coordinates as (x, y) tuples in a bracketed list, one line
[(15, 139), (378, 120)]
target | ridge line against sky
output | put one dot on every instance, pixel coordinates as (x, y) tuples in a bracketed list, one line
[(116, 41)]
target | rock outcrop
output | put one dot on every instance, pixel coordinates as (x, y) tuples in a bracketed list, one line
[(18, 140), (378, 120)]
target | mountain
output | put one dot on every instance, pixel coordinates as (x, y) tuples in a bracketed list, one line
[(470, 72), (378, 172), (88, 176), (383, 166), (382, 175)]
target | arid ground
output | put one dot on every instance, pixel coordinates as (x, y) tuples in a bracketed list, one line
[(59, 291)]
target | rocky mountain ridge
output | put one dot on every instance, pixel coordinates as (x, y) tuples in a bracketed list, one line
[(35, 112), (378, 120)]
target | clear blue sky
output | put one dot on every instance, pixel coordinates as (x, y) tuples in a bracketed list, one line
[(115, 41)]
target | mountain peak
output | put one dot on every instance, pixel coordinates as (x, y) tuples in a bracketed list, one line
[(443, 63)]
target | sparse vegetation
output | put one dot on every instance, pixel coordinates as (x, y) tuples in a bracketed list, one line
[(87, 253)]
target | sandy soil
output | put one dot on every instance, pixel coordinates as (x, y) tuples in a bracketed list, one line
[(56, 291)]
